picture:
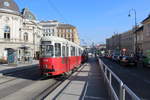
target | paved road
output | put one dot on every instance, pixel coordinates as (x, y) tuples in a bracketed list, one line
[(137, 78), (23, 85)]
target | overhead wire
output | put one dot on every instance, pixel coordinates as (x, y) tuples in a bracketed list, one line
[(57, 10)]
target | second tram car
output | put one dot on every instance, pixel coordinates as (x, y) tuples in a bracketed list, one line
[(58, 55)]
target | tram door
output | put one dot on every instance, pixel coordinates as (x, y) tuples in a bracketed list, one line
[(64, 58), (67, 58)]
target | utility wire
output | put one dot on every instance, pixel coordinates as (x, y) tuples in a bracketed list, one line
[(57, 10)]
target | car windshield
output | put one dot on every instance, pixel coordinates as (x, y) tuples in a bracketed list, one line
[(46, 50)]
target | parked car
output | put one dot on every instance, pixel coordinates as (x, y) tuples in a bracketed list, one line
[(109, 56), (116, 58), (119, 58), (146, 61), (128, 60)]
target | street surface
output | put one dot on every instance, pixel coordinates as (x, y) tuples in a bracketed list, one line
[(137, 78), (24, 85)]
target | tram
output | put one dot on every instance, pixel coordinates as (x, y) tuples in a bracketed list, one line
[(58, 55)]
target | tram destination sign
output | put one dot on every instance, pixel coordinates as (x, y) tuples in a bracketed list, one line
[(46, 42)]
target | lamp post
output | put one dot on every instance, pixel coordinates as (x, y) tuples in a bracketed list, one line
[(135, 19)]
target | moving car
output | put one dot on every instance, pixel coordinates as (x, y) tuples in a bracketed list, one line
[(128, 60)]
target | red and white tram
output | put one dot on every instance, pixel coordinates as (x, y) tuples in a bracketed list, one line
[(58, 55)]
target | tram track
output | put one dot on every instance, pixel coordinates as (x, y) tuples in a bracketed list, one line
[(58, 82)]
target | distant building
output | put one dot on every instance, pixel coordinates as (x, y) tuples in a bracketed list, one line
[(113, 43), (127, 42), (118, 42), (20, 33), (55, 28)]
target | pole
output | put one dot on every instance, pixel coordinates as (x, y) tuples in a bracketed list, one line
[(135, 19)]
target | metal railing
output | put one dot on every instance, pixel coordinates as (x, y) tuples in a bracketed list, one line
[(124, 93)]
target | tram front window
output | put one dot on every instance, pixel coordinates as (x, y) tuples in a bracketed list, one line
[(47, 51)]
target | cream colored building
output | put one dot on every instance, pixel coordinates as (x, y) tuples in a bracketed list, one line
[(20, 33), (55, 28)]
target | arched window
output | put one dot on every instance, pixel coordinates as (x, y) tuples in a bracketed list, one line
[(26, 36), (6, 32)]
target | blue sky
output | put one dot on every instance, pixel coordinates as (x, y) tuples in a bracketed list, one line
[(96, 20)]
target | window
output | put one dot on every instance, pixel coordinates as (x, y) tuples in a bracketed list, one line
[(68, 35), (67, 51), (6, 32), (26, 36), (63, 51), (52, 30), (57, 49), (72, 51), (47, 50), (148, 30)]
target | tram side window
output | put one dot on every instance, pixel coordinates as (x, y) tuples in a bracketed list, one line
[(63, 51), (57, 49), (72, 51), (43, 50), (49, 50), (67, 51)]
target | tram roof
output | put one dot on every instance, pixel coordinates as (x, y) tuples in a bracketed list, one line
[(58, 39)]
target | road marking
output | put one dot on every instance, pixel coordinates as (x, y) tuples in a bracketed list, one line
[(91, 97)]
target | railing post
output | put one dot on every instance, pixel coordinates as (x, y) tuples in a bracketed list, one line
[(110, 78), (106, 72), (121, 92)]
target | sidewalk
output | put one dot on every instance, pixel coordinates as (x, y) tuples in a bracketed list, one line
[(85, 84), (5, 68)]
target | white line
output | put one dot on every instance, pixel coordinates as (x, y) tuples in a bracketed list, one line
[(98, 98), (85, 90)]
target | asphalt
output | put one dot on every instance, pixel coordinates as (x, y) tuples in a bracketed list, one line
[(24, 85), (7, 68), (137, 78)]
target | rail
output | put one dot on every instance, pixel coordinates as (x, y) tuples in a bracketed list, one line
[(124, 93)]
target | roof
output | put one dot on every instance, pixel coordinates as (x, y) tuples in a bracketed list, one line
[(9, 5), (27, 14), (65, 26), (58, 39), (140, 28), (146, 19)]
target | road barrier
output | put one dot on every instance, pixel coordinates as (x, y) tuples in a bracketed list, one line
[(124, 93)]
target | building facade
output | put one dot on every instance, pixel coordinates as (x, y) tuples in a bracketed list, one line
[(127, 42), (55, 28), (139, 33), (20, 33), (120, 42), (146, 35), (114, 43)]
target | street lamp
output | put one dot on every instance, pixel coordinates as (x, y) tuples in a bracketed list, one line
[(135, 19)]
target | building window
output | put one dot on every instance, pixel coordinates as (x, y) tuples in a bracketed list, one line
[(148, 29), (52, 30), (26, 36), (6, 32)]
